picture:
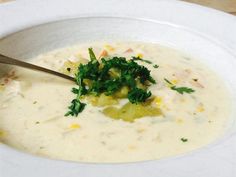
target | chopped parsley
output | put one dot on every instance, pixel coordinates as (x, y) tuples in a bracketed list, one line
[(140, 59), (184, 140), (145, 61), (138, 95), (75, 108), (155, 66), (180, 90), (109, 76)]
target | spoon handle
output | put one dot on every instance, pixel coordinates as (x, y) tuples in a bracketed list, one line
[(7, 60)]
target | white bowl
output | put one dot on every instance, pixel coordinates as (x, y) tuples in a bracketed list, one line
[(59, 24)]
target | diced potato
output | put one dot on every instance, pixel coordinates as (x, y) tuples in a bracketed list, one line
[(102, 100), (141, 86), (70, 68), (112, 112), (87, 82), (114, 73), (122, 93), (129, 112)]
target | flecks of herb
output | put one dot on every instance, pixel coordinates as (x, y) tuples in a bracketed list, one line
[(68, 69), (184, 140), (128, 74), (138, 95), (180, 90), (145, 61), (140, 59), (155, 66)]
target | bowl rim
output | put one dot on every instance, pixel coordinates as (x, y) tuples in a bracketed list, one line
[(10, 30)]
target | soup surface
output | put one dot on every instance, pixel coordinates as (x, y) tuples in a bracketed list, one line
[(33, 105)]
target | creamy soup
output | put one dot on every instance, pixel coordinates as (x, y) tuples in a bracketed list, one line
[(33, 105)]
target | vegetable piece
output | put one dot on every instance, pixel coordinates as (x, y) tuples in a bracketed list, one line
[(180, 90), (102, 100), (70, 68), (129, 112), (122, 93)]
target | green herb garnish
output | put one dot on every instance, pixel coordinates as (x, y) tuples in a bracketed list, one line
[(155, 66), (76, 107), (145, 61), (180, 90), (138, 95), (140, 59), (108, 77), (184, 140)]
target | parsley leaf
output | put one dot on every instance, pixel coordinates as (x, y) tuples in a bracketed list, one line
[(92, 55), (180, 90), (184, 140), (138, 95), (155, 66), (75, 108), (168, 81), (146, 61), (140, 59)]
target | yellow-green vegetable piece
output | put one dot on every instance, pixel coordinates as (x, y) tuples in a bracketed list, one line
[(70, 67), (129, 112), (114, 73), (122, 93), (102, 100)]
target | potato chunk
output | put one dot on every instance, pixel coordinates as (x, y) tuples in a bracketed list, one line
[(122, 93), (102, 100), (129, 112), (70, 68)]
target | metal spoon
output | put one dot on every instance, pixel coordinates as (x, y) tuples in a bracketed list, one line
[(11, 61)]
